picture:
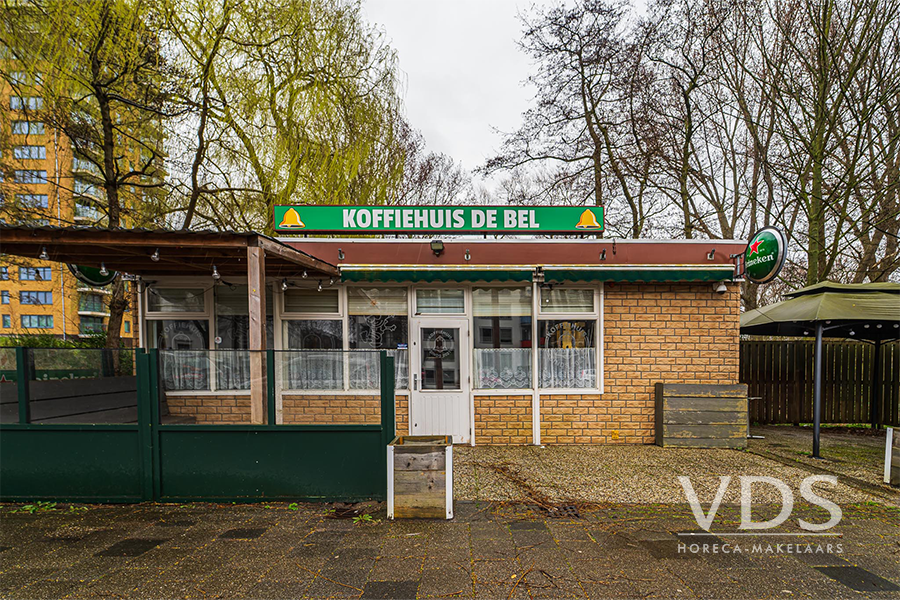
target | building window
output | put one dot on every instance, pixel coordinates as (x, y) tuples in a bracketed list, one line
[(232, 354), (7, 322), (29, 297), (30, 176), (127, 325), (26, 103), (82, 188), (37, 321), (27, 128), (30, 152), (188, 368), (4, 273), (176, 300), (321, 365), (377, 320), (84, 211), (32, 200), (502, 353), (4, 297), (90, 325), (440, 301), (91, 303), (568, 341), (311, 301), (34, 274)]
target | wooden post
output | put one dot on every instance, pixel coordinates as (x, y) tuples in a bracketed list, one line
[(256, 291)]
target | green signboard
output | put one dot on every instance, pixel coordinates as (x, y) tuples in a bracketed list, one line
[(765, 255), (438, 219), (93, 276)]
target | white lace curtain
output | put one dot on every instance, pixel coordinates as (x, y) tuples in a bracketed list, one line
[(567, 368), (502, 368)]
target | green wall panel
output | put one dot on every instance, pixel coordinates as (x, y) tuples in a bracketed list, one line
[(83, 464), (271, 463)]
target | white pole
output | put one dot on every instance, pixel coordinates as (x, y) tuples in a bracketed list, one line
[(888, 451)]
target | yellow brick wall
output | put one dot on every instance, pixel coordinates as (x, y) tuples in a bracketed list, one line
[(501, 420), (338, 410), (211, 410), (669, 333)]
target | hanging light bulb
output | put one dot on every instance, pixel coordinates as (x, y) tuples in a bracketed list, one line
[(215, 273), (331, 281), (304, 275), (155, 256), (852, 332), (284, 285), (320, 286), (103, 270), (44, 255)]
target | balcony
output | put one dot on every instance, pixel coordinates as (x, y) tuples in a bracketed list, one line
[(87, 190), (92, 306), (81, 166), (84, 212), (86, 289)]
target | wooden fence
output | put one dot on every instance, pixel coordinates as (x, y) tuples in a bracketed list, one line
[(780, 374)]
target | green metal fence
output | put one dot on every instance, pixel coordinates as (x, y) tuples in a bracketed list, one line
[(136, 458)]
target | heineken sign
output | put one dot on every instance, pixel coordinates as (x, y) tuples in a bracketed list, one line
[(438, 219), (765, 255)]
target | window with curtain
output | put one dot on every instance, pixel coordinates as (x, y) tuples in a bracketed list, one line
[(183, 352), (567, 300), (567, 356), (440, 301), (232, 356), (377, 321), (502, 327), (315, 357)]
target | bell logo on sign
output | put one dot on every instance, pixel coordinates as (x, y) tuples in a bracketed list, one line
[(765, 254)]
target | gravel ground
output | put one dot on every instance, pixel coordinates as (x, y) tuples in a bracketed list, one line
[(855, 453), (626, 474)]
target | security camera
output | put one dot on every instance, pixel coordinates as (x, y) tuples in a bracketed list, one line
[(720, 288)]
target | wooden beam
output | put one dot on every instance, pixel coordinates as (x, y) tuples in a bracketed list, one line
[(256, 292), (291, 255)]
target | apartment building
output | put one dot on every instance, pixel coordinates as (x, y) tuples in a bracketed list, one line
[(44, 182)]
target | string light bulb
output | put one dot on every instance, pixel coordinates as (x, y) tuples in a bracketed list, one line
[(155, 256), (320, 286), (305, 275), (103, 270), (44, 255), (215, 273), (284, 285)]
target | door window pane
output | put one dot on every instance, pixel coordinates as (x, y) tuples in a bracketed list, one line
[(563, 300), (175, 300), (440, 358), (440, 301), (567, 357), (502, 353), (232, 357)]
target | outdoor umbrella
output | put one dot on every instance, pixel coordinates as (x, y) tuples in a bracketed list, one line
[(865, 311)]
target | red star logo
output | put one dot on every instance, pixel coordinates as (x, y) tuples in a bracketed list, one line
[(754, 247)]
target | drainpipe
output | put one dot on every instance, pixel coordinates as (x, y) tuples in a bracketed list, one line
[(817, 390)]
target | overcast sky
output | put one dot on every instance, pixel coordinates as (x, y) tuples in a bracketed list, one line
[(462, 70)]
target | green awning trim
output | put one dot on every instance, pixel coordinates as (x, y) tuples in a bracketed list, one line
[(635, 275), (458, 275)]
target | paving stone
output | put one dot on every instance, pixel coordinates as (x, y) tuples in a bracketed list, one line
[(390, 569), (243, 533), (131, 547), (391, 589), (269, 589), (858, 579)]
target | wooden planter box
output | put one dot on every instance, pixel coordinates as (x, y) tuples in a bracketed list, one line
[(701, 416), (420, 477)]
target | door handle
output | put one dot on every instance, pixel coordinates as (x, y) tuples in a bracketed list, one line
[(415, 381)]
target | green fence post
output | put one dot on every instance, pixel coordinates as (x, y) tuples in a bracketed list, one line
[(145, 440), (388, 422), (270, 387), (23, 384)]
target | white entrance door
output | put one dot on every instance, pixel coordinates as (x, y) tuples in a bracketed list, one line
[(439, 373)]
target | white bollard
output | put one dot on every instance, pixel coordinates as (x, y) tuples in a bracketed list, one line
[(888, 442)]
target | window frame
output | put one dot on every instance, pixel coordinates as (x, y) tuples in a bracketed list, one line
[(470, 314), (466, 293), (24, 326), (597, 316)]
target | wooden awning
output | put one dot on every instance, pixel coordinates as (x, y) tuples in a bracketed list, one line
[(148, 252)]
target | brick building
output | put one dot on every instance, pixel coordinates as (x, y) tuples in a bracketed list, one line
[(515, 341)]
